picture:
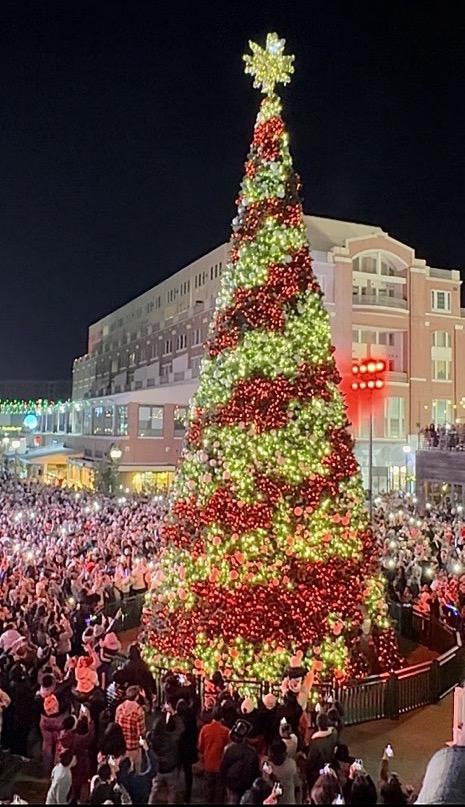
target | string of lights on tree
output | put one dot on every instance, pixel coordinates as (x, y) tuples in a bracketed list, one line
[(266, 546)]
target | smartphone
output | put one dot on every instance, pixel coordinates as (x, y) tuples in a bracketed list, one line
[(277, 789), (267, 768), (389, 751)]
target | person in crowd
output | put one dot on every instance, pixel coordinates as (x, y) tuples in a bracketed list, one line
[(259, 793), (138, 785), (283, 769), (22, 709), (213, 739), (131, 717), (61, 782), (136, 672), (112, 743), (76, 736), (51, 724), (326, 789), (188, 744), (105, 788), (165, 741), (363, 791), (321, 748), (240, 764)]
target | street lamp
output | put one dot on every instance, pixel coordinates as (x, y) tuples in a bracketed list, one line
[(15, 444), (115, 453), (406, 450)]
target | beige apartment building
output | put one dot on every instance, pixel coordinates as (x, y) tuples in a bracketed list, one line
[(143, 359)]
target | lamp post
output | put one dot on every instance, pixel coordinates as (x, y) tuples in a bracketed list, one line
[(406, 450), (367, 379), (15, 444), (115, 453), (115, 457)]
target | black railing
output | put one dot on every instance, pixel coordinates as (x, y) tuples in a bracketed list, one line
[(130, 609), (376, 697)]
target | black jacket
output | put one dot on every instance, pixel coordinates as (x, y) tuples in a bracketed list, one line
[(239, 767), (165, 741)]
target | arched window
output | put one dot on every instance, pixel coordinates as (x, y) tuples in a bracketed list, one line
[(379, 263)]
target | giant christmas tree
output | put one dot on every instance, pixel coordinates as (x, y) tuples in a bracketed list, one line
[(266, 546)]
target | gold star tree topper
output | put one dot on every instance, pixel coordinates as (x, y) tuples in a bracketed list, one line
[(269, 65)]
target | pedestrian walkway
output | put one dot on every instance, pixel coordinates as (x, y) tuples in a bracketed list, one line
[(414, 737)]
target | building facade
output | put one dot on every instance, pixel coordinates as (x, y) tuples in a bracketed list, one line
[(143, 359)]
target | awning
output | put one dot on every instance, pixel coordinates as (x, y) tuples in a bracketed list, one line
[(53, 455), (85, 462)]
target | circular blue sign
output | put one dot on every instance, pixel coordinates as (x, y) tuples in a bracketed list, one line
[(31, 422)]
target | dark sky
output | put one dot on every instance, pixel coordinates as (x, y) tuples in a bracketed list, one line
[(124, 127)]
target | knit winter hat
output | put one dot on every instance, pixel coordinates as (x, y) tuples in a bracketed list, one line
[(51, 706), (269, 700)]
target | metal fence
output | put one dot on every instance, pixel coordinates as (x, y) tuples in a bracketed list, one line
[(128, 612), (376, 697)]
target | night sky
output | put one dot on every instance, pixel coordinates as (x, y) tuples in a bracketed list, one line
[(124, 127)]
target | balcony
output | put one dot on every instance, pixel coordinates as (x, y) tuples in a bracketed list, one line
[(369, 300)]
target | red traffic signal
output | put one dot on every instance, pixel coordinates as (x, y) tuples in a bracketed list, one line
[(369, 369)]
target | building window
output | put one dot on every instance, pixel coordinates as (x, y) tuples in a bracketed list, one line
[(180, 415), (441, 339), (77, 421), (394, 418), (440, 300), (367, 263), (150, 421), (102, 420), (441, 356), (442, 411), (87, 422), (386, 338), (181, 341), (441, 370), (195, 366), (196, 337), (168, 347), (121, 421), (379, 263)]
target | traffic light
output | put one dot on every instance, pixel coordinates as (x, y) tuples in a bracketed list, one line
[(367, 374)]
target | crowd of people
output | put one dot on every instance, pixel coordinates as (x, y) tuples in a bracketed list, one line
[(105, 731), (423, 557), (110, 735), (446, 437)]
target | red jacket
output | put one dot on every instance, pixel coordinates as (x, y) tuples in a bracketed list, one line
[(213, 739)]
